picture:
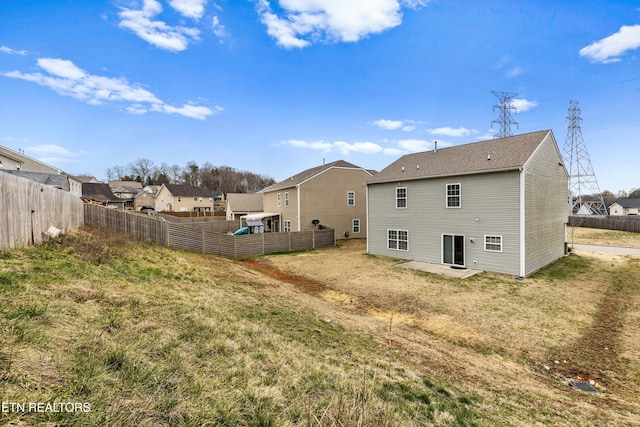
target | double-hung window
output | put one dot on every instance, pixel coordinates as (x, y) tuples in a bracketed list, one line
[(351, 198), (356, 225), (278, 199), (398, 240), (401, 197), (493, 243), (454, 196), (286, 199), (287, 226)]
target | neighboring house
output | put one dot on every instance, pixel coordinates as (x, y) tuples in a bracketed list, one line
[(239, 204), (100, 194), (144, 199), (625, 207), (331, 195), (125, 189), (17, 161), (498, 205), (183, 198)]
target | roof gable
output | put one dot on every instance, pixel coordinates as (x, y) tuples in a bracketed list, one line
[(242, 202), (479, 157), (99, 191), (311, 173)]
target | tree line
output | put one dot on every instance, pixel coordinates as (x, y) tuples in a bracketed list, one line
[(215, 178)]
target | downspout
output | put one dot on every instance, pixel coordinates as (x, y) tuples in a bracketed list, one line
[(298, 203), (522, 224), (366, 192)]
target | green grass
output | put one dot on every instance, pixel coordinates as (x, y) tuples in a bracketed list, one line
[(152, 336)]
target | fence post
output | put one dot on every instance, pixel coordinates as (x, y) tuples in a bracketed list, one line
[(313, 239), (202, 236)]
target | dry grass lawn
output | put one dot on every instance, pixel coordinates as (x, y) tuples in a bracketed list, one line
[(493, 335)]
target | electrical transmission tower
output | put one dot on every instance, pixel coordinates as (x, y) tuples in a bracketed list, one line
[(586, 198), (504, 106)]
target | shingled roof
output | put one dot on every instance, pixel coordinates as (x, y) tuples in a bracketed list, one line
[(629, 203), (487, 156), (309, 173), (98, 191)]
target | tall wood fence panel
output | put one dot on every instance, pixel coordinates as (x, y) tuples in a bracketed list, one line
[(138, 226), (28, 209), (193, 238), (621, 223)]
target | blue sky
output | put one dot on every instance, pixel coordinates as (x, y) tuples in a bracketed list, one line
[(276, 86)]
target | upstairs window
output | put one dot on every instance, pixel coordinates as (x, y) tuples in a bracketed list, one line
[(351, 198), (286, 199), (453, 196), (278, 200), (401, 197)]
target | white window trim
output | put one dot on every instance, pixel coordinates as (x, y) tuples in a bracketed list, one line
[(287, 226), (485, 242), (351, 199), (446, 195), (397, 240), (286, 199), (406, 194), (353, 225), (278, 200)]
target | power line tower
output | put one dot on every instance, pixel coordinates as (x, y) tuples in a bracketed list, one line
[(504, 106), (586, 198)]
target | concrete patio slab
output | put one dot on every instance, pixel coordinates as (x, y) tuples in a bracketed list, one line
[(443, 270)]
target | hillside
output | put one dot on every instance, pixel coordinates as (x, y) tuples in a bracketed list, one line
[(144, 335)]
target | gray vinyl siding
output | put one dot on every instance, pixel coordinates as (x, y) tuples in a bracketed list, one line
[(492, 198), (546, 206)]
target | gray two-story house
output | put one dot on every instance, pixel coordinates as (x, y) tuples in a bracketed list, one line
[(499, 205)]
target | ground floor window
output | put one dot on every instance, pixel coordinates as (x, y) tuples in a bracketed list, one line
[(287, 226), (398, 240), (493, 243), (356, 226)]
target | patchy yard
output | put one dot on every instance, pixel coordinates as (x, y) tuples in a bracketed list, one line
[(516, 343), (152, 336)]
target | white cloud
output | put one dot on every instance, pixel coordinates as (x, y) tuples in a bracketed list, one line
[(67, 79), (388, 124), (523, 105), (218, 28), (415, 4), (53, 154), (449, 131), (341, 146), (158, 33), (306, 21), (414, 145), (609, 49), (8, 50), (393, 152), (189, 8)]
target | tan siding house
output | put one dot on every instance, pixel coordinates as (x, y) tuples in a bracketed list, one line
[(239, 204), (183, 198), (498, 205), (625, 207), (331, 195)]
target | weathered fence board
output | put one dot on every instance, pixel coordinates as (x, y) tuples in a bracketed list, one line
[(28, 209), (622, 223)]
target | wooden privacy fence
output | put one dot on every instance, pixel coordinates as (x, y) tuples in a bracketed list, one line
[(28, 209), (622, 223), (194, 239)]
